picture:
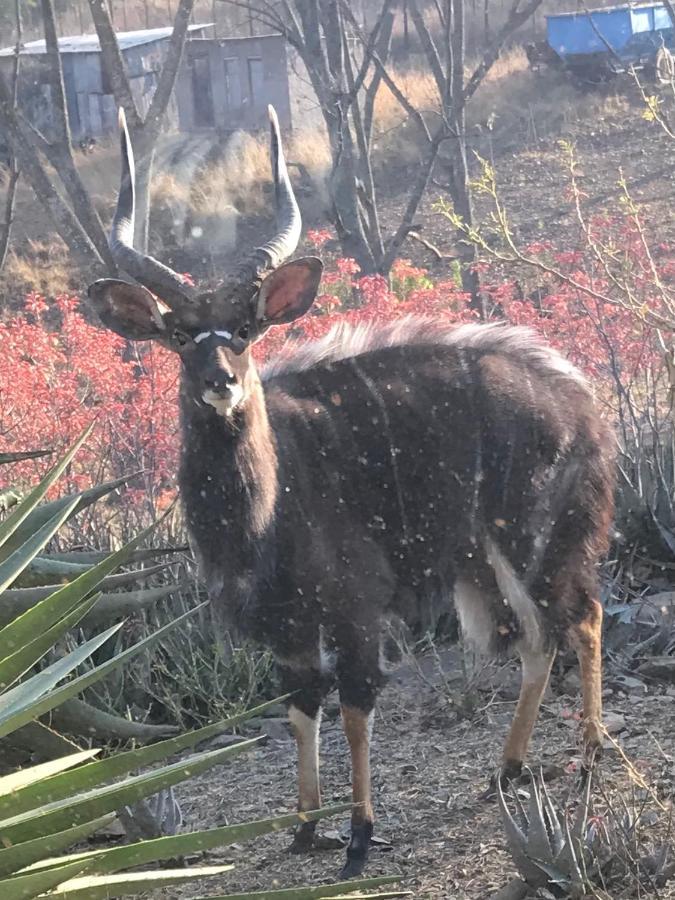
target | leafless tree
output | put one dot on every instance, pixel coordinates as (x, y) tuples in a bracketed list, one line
[(442, 33), (69, 204), (13, 170), (145, 130), (347, 63)]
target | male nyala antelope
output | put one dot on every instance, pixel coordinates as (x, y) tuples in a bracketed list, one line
[(359, 476)]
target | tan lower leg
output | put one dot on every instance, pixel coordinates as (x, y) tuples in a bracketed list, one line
[(357, 728), (586, 638), (536, 668), (306, 731)]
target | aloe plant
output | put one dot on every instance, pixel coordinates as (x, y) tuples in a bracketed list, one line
[(47, 808)]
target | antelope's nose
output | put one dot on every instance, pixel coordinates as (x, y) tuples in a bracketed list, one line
[(219, 382)]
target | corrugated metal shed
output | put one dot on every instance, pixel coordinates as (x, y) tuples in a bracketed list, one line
[(89, 43), (91, 105)]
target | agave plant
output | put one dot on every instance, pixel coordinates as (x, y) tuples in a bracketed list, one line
[(548, 849), (47, 808), (586, 854)]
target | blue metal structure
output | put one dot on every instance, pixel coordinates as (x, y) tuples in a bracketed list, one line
[(606, 41), (583, 33)]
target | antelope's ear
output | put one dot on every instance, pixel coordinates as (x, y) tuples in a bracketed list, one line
[(127, 309), (289, 291)]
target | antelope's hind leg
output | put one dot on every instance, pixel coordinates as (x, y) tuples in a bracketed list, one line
[(535, 672), (586, 638), (491, 625)]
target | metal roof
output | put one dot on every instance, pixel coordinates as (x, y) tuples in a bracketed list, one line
[(89, 43), (631, 4)]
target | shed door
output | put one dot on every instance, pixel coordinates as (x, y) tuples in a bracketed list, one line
[(202, 96), (70, 88), (233, 97)]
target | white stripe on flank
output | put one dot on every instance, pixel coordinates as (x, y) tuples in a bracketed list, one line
[(514, 591)]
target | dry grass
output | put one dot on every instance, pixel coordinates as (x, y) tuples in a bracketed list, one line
[(512, 105), (100, 172), (241, 176), (206, 202), (42, 266), (395, 137), (511, 61), (198, 204), (236, 179), (518, 104), (310, 150)]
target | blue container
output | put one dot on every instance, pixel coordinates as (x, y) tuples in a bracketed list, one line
[(584, 34)]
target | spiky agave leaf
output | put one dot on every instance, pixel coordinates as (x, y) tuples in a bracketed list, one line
[(547, 848)]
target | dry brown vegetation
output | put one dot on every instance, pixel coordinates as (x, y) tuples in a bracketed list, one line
[(200, 195)]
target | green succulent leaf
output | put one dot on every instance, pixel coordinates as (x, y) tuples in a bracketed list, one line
[(26, 696), (96, 887), (38, 515), (89, 776), (50, 610), (16, 562), (16, 665), (54, 817), (54, 698), (28, 886), (20, 455), (24, 510), (20, 856), (10, 784), (174, 846)]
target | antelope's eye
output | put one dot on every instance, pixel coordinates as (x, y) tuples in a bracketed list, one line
[(243, 332), (181, 338)]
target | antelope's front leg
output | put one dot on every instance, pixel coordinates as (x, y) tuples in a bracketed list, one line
[(308, 686), (359, 679), (306, 727), (357, 724)]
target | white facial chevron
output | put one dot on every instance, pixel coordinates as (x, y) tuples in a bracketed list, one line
[(205, 334)]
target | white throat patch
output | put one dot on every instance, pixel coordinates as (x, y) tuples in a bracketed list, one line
[(203, 335), (224, 405)]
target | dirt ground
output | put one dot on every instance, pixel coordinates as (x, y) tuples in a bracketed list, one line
[(432, 760), (430, 765), (611, 139)]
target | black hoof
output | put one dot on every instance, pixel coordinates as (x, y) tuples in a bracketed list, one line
[(303, 839), (586, 773), (592, 756), (352, 869), (509, 772), (357, 851)]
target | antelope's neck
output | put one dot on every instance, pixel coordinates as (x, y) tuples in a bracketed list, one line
[(228, 481)]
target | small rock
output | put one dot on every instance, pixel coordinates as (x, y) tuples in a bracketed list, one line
[(614, 722), (571, 683), (223, 740), (275, 729), (650, 817)]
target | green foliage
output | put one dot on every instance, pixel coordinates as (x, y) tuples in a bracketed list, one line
[(46, 809)]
